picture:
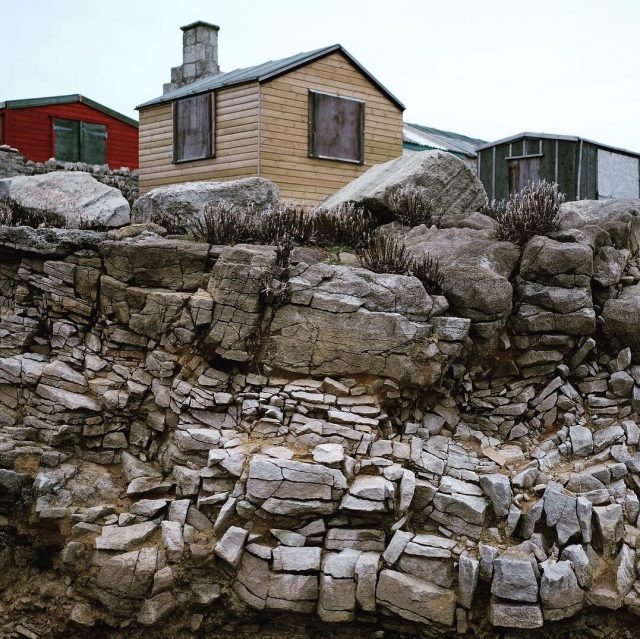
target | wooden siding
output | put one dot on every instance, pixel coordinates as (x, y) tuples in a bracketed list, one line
[(236, 141), (30, 130), (284, 150)]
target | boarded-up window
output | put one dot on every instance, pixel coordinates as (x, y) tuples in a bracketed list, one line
[(193, 128), (76, 141), (336, 127)]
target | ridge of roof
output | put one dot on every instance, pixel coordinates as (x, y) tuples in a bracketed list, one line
[(262, 73), (439, 138), (67, 99)]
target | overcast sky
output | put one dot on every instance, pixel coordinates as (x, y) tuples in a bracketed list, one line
[(485, 68)]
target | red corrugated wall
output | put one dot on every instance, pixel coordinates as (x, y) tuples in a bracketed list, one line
[(30, 130)]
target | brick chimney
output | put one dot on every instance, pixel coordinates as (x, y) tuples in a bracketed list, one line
[(199, 55)]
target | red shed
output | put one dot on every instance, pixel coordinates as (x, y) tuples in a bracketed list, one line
[(70, 128)]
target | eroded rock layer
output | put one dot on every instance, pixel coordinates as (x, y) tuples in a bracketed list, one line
[(365, 460)]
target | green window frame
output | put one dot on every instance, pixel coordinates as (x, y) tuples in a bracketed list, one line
[(77, 141)]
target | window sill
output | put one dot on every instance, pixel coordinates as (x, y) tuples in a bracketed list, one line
[(326, 157), (204, 157)]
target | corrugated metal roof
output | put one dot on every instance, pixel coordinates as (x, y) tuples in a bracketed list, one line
[(553, 136), (66, 99), (430, 137), (262, 73)]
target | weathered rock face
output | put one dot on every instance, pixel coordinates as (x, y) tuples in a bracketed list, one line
[(476, 270), (441, 178), (78, 198), (179, 457), (183, 204)]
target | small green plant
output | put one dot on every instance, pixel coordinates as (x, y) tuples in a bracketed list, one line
[(411, 207), (532, 211)]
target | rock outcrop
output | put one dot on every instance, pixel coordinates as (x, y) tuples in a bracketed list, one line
[(182, 205), (180, 456)]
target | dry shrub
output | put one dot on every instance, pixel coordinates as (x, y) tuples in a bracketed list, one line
[(386, 254), (427, 270), (286, 223), (276, 290), (347, 225), (532, 211), (411, 207), (12, 214)]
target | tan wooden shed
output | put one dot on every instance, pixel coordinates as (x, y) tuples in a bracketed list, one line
[(311, 122)]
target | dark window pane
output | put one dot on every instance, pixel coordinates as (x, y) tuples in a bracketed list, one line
[(337, 127), (93, 143), (66, 140), (193, 128)]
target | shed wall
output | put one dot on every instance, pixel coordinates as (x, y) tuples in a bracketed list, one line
[(284, 151), (236, 141), (30, 130)]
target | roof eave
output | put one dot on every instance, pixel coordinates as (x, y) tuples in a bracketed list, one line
[(67, 99), (266, 77)]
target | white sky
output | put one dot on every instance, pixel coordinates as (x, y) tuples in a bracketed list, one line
[(485, 68)]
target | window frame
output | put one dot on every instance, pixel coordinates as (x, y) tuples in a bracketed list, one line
[(212, 124), (81, 135), (312, 124)]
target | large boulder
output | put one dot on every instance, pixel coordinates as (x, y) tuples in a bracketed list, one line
[(76, 197), (179, 205), (442, 179), (619, 219), (622, 317), (475, 269)]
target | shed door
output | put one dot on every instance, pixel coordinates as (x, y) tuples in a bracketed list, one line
[(93, 143), (66, 135), (617, 175), (523, 172)]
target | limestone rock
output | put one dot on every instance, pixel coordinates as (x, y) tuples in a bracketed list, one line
[(76, 197), (441, 178), (183, 204)]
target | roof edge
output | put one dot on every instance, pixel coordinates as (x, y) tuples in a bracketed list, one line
[(67, 99), (311, 56), (323, 53), (551, 136)]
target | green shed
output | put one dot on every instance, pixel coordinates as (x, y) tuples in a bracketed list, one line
[(584, 169)]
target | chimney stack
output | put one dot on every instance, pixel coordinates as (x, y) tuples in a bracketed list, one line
[(199, 55)]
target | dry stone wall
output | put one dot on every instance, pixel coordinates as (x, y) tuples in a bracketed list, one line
[(12, 163), (177, 456)]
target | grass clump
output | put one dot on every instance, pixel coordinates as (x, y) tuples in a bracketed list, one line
[(532, 211)]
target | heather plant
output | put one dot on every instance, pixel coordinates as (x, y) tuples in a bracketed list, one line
[(532, 211), (412, 208), (427, 270), (347, 225), (385, 254), (12, 214)]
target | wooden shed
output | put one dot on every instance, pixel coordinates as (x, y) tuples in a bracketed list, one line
[(583, 169), (70, 128), (311, 122)]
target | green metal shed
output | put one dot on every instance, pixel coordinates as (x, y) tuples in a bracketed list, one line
[(584, 169)]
